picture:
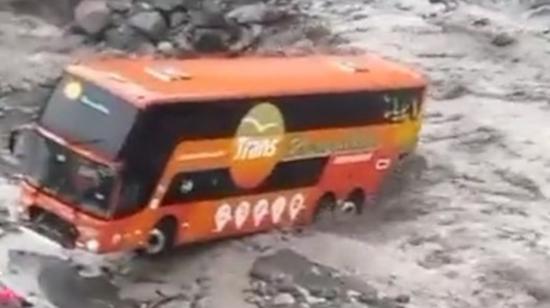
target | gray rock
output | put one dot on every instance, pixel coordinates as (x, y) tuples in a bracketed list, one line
[(182, 43), (454, 91), (284, 299), (503, 40), (249, 36), (207, 19), (366, 291), (92, 16), (124, 38), (178, 18), (166, 48), (120, 6), (151, 24), (403, 299), (317, 32), (386, 303), (481, 22), (166, 5), (321, 292), (284, 262), (259, 13), (254, 300), (211, 40)]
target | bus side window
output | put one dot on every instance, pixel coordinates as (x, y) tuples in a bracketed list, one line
[(217, 183), (198, 186)]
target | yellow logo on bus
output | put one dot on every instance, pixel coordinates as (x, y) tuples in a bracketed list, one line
[(258, 146), (73, 90)]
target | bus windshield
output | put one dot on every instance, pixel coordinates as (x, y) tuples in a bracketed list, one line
[(84, 113), (66, 175)]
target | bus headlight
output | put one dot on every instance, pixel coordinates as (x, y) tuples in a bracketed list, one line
[(92, 245)]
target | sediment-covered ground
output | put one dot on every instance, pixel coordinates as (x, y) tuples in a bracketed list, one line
[(473, 230)]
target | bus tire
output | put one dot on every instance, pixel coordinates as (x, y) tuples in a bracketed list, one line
[(162, 238), (356, 200), (324, 210)]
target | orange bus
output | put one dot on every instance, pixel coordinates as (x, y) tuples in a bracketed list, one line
[(145, 154)]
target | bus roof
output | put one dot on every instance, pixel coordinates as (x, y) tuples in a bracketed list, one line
[(147, 81)]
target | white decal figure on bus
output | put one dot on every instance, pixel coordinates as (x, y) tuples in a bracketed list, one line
[(261, 209)]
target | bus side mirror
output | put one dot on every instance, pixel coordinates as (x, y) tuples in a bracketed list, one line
[(12, 140), (16, 139)]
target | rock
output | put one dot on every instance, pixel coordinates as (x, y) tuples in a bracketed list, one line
[(254, 300), (481, 22), (503, 40), (166, 48), (92, 16), (178, 18), (249, 37), (260, 287), (386, 303), (206, 19), (285, 284), (326, 293), (284, 299), (182, 43), (368, 298), (317, 32), (259, 13), (454, 91), (403, 299), (166, 5), (124, 38), (120, 6), (151, 24), (210, 40)]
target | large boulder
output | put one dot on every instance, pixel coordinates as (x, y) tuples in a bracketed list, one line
[(178, 18), (92, 16), (124, 37), (150, 23), (211, 40)]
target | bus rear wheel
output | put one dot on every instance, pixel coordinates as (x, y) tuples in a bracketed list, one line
[(351, 206), (161, 238)]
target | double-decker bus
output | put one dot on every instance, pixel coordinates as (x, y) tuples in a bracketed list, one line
[(145, 154)]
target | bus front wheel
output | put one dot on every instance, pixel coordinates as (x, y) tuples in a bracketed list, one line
[(162, 237)]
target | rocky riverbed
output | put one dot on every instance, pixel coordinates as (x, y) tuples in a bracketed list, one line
[(472, 229)]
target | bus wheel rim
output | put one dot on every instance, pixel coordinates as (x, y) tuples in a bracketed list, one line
[(157, 241), (349, 207)]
